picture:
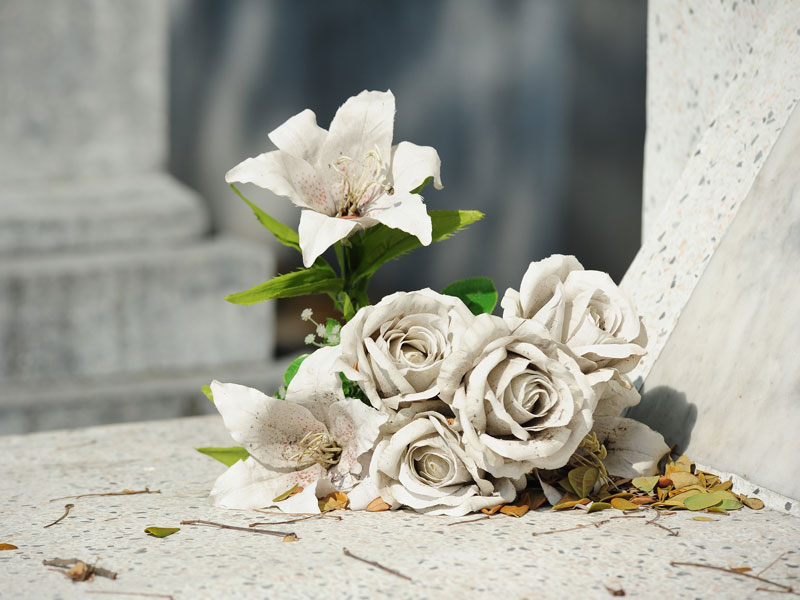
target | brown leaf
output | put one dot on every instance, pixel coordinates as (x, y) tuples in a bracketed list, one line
[(623, 504), (570, 504), (682, 479), (290, 537), (754, 503), (740, 569), (333, 501), (537, 499), (292, 491), (8, 547), (521, 505), (377, 505), (725, 485), (492, 510), (80, 572), (643, 500)]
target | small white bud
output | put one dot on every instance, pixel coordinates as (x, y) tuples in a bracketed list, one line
[(309, 338), (306, 314)]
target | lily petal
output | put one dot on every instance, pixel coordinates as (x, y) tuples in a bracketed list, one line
[(316, 385), (362, 124), (300, 136), (403, 211), (318, 232), (284, 175), (248, 484), (270, 429), (412, 165)]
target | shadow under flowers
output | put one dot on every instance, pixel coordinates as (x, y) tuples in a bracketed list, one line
[(666, 410)]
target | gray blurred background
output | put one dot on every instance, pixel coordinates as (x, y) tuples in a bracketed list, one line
[(119, 238)]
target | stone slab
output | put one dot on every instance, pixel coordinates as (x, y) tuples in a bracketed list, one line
[(717, 178), (142, 311), (726, 386), (55, 216), (82, 91), (495, 557), (125, 399)]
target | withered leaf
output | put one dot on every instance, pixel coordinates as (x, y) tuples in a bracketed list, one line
[(681, 479), (646, 484), (8, 547), (294, 490), (702, 518), (80, 572), (520, 506), (717, 510), (623, 504), (754, 503), (570, 504), (598, 506), (643, 500), (290, 537), (333, 501), (582, 480), (492, 510), (377, 505), (740, 569)]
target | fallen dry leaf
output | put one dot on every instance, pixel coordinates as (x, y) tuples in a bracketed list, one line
[(290, 537), (492, 510), (521, 506), (8, 547), (623, 504), (80, 572), (377, 505), (333, 501)]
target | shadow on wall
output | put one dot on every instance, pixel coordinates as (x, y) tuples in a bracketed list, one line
[(536, 108), (666, 410)]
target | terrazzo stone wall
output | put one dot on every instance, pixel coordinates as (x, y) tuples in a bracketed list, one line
[(716, 276), (107, 279)]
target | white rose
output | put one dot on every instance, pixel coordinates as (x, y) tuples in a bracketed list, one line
[(520, 398), (583, 309), (424, 466), (394, 349)]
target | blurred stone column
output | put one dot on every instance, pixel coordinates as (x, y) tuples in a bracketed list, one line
[(111, 297)]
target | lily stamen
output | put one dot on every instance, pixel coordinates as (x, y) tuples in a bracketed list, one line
[(372, 179), (317, 447)]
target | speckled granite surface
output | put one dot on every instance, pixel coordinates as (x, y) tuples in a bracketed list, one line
[(730, 137), (497, 557)]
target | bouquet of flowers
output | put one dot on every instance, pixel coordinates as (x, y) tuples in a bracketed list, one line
[(424, 399)]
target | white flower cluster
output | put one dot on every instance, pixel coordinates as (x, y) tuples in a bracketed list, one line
[(463, 407)]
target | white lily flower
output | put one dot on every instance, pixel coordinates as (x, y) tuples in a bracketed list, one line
[(633, 448), (347, 178), (312, 440)]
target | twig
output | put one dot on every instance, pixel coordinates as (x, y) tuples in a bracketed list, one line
[(122, 493), (376, 564), (89, 443), (223, 526), (673, 532), (68, 563), (581, 526), (628, 517), (149, 595), (777, 591), (469, 521), (298, 519), (291, 514), (786, 588), (770, 565), (67, 508)]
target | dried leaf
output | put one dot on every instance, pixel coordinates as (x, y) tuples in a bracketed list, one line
[(702, 518), (730, 505), (682, 479), (161, 532), (740, 569), (294, 490), (377, 505), (521, 506), (333, 501), (80, 572), (623, 504), (8, 547), (582, 480), (754, 503), (717, 510), (664, 482), (290, 537), (617, 495), (701, 501), (643, 500), (492, 510), (646, 484), (537, 499), (682, 496), (570, 504), (725, 485), (598, 506), (567, 486)]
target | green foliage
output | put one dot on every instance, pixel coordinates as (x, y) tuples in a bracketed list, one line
[(207, 391), (283, 233), (478, 293), (291, 370), (161, 532), (227, 456), (320, 278), (352, 390), (380, 244)]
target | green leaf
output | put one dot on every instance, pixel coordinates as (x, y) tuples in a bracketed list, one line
[(478, 293), (597, 506), (646, 484), (701, 501), (227, 456), (380, 244), (286, 494), (207, 391), (422, 185), (291, 370), (283, 233), (351, 389), (582, 480), (319, 279), (161, 532)]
